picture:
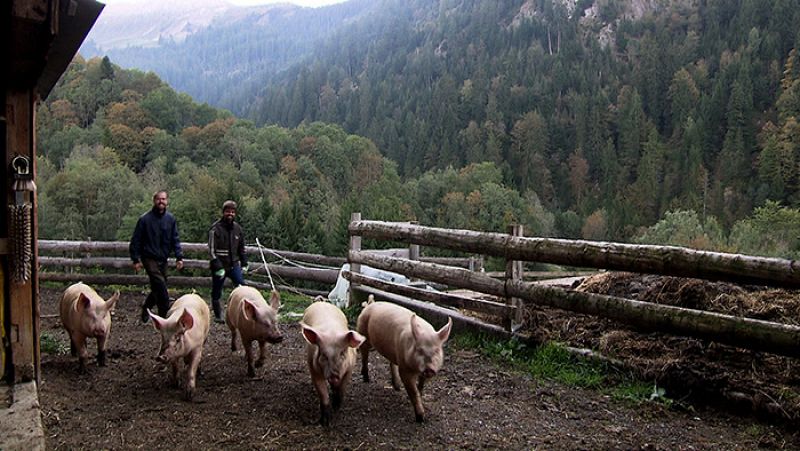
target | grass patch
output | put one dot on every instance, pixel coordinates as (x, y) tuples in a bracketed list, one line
[(553, 362), (50, 344), (294, 303)]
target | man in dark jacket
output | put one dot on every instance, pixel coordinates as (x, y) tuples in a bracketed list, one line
[(155, 237), (228, 259)]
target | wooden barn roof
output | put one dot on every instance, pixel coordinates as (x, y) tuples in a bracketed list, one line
[(44, 36)]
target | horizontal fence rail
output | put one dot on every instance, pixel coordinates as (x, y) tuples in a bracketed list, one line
[(665, 260)]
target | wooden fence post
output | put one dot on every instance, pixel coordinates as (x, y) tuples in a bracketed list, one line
[(354, 296), (514, 272), (413, 249)]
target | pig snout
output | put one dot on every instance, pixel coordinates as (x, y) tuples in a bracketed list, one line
[(99, 332), (335, 380), (429, 372), (276, 338)]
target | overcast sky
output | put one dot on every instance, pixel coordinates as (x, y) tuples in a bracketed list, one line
[(311, 3)]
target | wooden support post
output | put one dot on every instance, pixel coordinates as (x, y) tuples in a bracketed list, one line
[(514, 272), (23, 313), (355, 296), (413, 249)]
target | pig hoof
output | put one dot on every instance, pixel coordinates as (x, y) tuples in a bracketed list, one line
[(259, 363), (365, 376), (251, 372), (101, 359), (325, 416), (188, 395), (420, 418)]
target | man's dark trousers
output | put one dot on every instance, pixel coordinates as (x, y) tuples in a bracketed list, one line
[(157, 272)]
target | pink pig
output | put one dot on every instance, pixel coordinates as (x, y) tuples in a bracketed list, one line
[(255, 320), (412, 346), (183, 334), (85, 314), (330, 352)]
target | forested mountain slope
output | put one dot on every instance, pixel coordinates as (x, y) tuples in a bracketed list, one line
[(626, 109), (214, 51), (108, 138)]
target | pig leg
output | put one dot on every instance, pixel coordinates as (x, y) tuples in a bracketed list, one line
[(82, 351), (262, 354), (410, 382), (395, 374), (101, 350), (174, 381), (325, 411), (421, 382), (364, 348), (73, 350), (338, 392), (192, 363), (233, 337), (248, 353)]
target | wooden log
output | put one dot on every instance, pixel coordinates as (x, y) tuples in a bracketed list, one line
[(435, 314), (177, 281), (741, 332), (310, 274), (328, 276), (453, 261), (295, 256), (447, 275), (109, 262), (666, 260), (514, 272), (475, 305), (121, 248), (542, 275), (123, 279)]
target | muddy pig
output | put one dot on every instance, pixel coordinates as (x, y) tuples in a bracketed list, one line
[(255, 320), (412, 346), (183, 334), (330, 352), (85, 314)]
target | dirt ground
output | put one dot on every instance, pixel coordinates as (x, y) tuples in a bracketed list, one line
[(471, 404)]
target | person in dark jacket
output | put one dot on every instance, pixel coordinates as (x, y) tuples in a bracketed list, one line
[(154, 239), (228, 258)]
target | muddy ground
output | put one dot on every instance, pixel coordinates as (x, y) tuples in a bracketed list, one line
[(472, 404)]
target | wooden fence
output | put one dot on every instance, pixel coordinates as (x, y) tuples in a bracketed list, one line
[(72, 261), (666, 260)]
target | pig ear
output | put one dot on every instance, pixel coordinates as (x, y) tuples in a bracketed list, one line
[(186, 320), (444, 332), (354, 339), (83, 302), (415, 328), (158, 322), (112, 302), (309, 334), (319, 299), (275, 300), (249, 309)]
